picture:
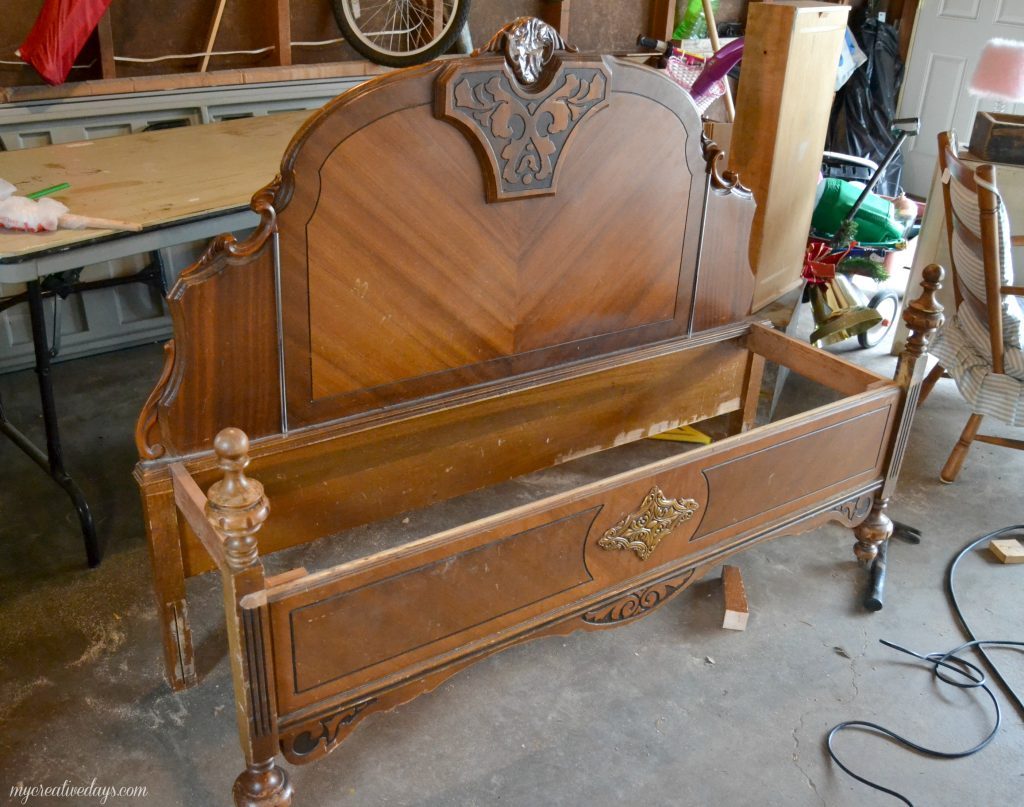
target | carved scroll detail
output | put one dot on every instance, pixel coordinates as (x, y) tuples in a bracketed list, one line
[(720, 180), (527, 45), (856, 509), (643, 530), (637, 603), (522, 136), (146, 425), (318, 737), (226, 246)]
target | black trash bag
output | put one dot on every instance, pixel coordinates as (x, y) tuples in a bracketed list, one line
[(864, 107)]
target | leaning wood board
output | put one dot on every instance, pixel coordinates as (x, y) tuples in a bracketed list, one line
[(468, 271)]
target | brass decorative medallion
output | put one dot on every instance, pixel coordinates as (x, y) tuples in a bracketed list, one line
[(643, 530)]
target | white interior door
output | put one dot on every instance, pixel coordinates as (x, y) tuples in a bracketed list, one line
[(947, 41)]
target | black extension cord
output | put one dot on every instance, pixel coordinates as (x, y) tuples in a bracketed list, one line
[(943, 666)]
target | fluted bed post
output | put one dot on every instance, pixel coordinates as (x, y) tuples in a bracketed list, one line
[(237, 508), (923, 317)]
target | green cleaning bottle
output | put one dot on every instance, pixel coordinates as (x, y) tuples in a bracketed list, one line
[(691, 24)]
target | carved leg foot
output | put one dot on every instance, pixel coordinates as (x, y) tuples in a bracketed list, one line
[(263, 784), (872, 533)]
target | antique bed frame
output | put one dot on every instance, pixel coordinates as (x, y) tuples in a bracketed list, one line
[(467, 271)]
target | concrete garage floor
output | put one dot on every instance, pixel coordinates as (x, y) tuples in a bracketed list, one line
[(671, 710)]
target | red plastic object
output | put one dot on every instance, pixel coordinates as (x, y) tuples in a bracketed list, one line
[(59, 33)]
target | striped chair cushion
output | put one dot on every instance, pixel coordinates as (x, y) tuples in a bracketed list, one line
[(962, 346)]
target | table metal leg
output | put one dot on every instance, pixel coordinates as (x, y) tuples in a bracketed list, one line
[(52, 461)]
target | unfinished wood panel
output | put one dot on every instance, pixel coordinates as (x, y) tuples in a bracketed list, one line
[(792, 47), (663, 19), (279, 23)]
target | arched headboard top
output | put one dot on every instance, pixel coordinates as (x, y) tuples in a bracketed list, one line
[(457, 223)]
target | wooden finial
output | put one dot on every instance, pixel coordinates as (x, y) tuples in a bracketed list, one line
[(236, 505), (924, 315)]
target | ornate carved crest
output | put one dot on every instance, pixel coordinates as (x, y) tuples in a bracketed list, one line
[(527, 44), (643, 530), (519, 126)]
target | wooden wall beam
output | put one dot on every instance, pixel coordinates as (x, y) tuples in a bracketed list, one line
[(556, 14), (663, 19), (280, 21), (105, 37)]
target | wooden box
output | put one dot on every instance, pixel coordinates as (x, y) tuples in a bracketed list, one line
[(998, 138)]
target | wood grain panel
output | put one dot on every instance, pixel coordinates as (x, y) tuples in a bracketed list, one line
[(402, 613), (426, 567), (725, 280), (610, 259), (422, 287), (761, 480), (411, 269), (223, 307)]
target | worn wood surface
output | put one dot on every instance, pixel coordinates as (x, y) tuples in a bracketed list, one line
[(151, 178), (358, 472), (515, 567)]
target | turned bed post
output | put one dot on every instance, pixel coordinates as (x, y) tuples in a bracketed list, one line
[(923, 317), (237, 508)]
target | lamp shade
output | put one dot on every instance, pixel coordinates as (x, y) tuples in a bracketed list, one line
[(1000, 71)]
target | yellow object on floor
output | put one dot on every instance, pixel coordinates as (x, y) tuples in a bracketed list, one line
[(683, 434)]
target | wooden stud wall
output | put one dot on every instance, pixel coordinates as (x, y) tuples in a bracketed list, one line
[(147, 30)]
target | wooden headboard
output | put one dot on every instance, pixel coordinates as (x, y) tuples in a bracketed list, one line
[(453, 228)]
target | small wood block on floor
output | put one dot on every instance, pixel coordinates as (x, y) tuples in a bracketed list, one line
[(735, 596), (1008, 550)]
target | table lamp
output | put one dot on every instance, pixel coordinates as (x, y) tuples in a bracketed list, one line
[(999, 136)]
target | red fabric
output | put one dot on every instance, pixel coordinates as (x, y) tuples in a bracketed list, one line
[(59, 33)]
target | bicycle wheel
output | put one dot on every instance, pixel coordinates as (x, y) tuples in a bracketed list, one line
[(400, 33), (887, 304)]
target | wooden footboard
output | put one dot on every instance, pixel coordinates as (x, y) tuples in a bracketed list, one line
[(450, 598), (314, 654)]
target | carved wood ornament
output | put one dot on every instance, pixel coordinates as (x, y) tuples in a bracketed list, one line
[(519, 112)]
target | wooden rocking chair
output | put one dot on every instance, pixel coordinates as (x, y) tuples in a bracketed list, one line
[(980, 347)]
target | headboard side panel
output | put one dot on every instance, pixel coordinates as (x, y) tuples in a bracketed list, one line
[(222, 365)]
